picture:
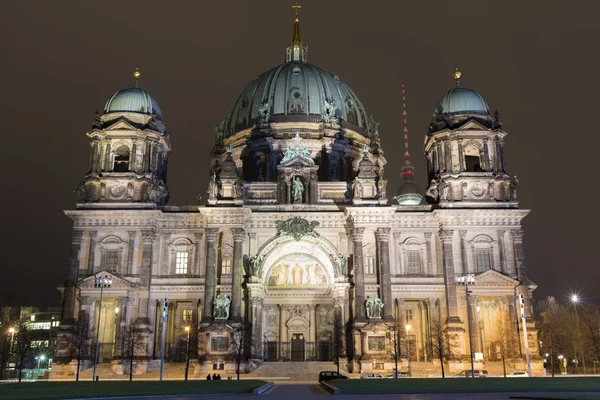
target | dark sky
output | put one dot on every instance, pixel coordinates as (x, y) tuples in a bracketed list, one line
[(536, 62)]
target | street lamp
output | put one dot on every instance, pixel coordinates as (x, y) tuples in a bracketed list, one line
[(407, 326), (575, 299), (40, 358), (466, 280), (101, 281), (564, 360), (187, 353), (12, 331)]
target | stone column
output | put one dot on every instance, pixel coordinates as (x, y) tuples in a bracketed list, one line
[(107, 166), (198, 237), (358, 272), (148, 237), (312, 337), (383, 236), (147, 156), (69, 295), (211, 273), (282, 332), (517, 237), (475, 324), (92, 251), (237, 273), (131, 252), (364, 344), (447, 236), (88, 306), (439, 156), (464, 262), (430, 270), (461, 156), (448, 155), (485, 163), (121, 328), (500, 155)]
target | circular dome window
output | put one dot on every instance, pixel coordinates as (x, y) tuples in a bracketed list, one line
[(296, 71), (244, 103), (296, 93)]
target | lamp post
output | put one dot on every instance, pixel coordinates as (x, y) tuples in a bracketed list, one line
[(525, 339), (564, 361), (575, 302), (187, 353), (12, 331), (40, 358), (407, 326), (595, 362), (466, 280), (101, 281)]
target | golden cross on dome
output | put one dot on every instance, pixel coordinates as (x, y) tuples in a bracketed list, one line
[(296, 7)]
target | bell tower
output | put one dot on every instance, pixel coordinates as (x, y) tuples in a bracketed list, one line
[(129, 153), (465, 153)]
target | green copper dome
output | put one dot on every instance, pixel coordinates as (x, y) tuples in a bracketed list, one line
[(133, 100), (461, 100), (296, 92)]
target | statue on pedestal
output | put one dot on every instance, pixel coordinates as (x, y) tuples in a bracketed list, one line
[(221, 307), (374, 307), (297, 190)]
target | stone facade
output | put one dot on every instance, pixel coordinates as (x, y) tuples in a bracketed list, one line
[(297, 237)]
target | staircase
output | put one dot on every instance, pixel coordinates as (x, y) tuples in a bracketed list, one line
[(292, 371)]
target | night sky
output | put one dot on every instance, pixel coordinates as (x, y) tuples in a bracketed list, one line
[(536, 62)]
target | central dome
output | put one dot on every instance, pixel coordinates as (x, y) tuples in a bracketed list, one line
[(296, 92)]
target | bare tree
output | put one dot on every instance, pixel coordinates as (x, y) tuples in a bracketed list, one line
[(395, 342), (338, 338), (239, 338), (8, 319), (80, 341), (506, 340), (591, 323), (442, 342), (555, 327), (22, 345), (133, 345)]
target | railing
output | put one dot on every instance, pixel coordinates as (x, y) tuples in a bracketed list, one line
[(297, 351)]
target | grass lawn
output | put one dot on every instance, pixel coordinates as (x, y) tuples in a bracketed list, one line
[(461, 385), (71, 390)]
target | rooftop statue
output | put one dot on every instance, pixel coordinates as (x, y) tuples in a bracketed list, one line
[(298, 189), (297, 150), (297, 227), (221, 307)]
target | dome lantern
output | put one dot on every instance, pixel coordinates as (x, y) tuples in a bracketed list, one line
[(296, 50)]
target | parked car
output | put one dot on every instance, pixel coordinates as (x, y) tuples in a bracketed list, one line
[(325, 376), (401, 374), (372, 375), (518, 374), (479, 373)]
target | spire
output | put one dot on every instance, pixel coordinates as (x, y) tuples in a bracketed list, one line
[(136, 76), (405, 130), (456, 75), (296, 50)]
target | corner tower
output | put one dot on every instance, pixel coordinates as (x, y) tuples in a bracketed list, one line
[(465, 153), (129, 153)]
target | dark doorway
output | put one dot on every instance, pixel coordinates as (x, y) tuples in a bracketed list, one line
[(298, 347), (272, 351), (472, 164), (324, 354)]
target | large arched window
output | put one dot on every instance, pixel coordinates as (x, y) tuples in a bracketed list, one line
[(181, 250), (482, 253), (412, 250), (121, 159), (472, 159)]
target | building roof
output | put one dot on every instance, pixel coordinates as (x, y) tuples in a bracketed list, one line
[(461, 100)]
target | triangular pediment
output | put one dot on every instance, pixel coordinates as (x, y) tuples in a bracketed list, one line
[(298, 161), (494, 278), (121, 125), (117, 281), (472, 125)]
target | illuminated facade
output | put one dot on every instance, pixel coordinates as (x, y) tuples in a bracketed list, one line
[(298, 232)]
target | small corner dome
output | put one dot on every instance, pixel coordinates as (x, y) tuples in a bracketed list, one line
[(461, 100), (133, 100)]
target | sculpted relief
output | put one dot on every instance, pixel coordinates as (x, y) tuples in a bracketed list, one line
[(297, 271)]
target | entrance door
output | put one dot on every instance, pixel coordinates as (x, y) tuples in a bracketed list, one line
[(298, 347), (272, 351)]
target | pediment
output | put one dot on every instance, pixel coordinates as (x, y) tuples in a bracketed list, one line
[(472, 125), (117, 282), (495, 278), (121, 125), (298, 161)]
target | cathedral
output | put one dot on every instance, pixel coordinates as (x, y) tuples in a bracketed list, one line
[(298, 253)]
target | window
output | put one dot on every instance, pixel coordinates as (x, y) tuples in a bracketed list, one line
[(121, 163), (370, 266), (112, 260), (482, 259), (414, 261), (472, 161), (408, 315), (226, 266), (187, 315), (181, 262)]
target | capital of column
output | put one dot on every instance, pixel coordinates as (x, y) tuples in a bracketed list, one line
[(446, 235), (462, 234), (383, 234), (517, 235), (77, 236), (357, 234), (198, 236), (148, 235), (428, 235), (93, 234), (252, 235), (212, 234), (86, 301), (501, 233), (238, 234)]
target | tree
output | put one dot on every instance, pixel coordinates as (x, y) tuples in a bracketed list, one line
[(396, 342), (80, 341), (133, 345), (338, 338), (506, 340), (442, 342), (239, 338), (22, 345), (556, 327), (590, 319), (8, 319)]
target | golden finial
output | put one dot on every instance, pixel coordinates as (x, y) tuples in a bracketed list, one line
[(296, 7), (137, 74), (456, 75)]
